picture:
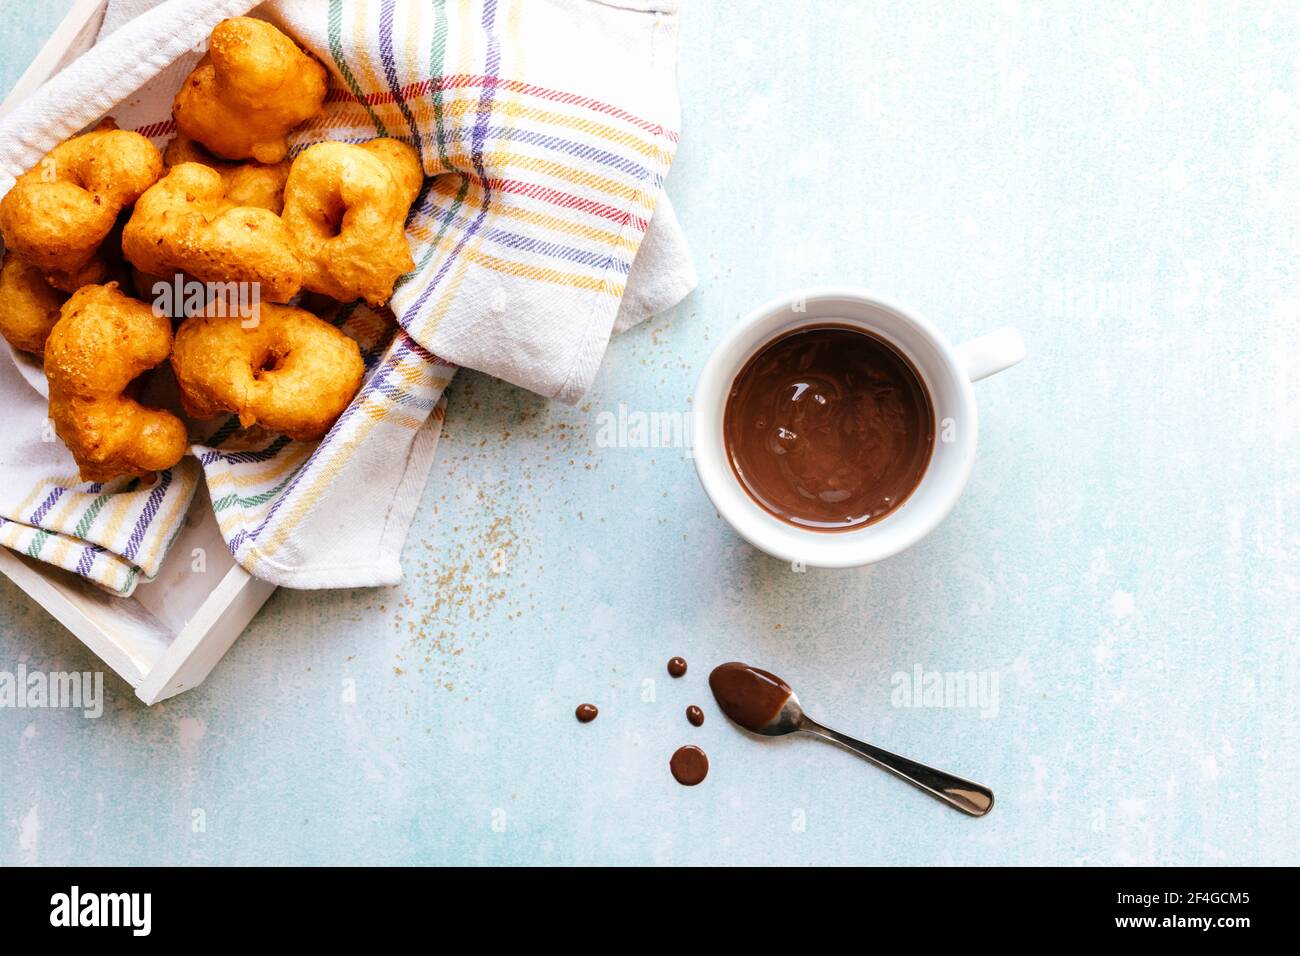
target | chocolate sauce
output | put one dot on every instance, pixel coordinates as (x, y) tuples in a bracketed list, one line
[(694, 715), (677, 667), (689, 765), (749, 696), (829, 428), (586, 713)]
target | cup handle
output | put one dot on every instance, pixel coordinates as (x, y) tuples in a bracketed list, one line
[(992, 353)]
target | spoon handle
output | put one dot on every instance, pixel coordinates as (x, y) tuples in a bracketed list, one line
[(963, 795)]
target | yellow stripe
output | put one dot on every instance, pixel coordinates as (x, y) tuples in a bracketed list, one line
[(59, 482), (413, 30), (228, 521), (59, 556), (497, 162), (361, 53), (514, 268), (243, 476), (113, 570), (412, 375), (17, 536), (311, 495), (120, 508), (554, 276), (117, 571), (467, 28), (520, 269), (374, 409)]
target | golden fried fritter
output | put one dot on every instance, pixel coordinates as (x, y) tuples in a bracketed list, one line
[(60, 211), (103, 341), (250, 89), (345, 207), (247, 184), (185, 222), (29, 305), (289, 372)]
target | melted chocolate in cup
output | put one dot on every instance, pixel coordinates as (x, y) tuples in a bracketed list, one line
[(676, 667), (586, 713), (749, 696), (689, 765), (829, 428), (694, 715)]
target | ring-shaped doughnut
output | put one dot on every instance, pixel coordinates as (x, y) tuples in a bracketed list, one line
[(345, 206), (59, 212), (289, 372)]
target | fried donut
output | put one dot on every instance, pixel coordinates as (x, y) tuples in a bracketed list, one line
[(250, 89), (102, 342), (290, 372), (346, 208), (185, 222), (59, 212), (29, 305), (247, 184)]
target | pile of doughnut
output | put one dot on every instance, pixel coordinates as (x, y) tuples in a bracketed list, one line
[(91, 230)]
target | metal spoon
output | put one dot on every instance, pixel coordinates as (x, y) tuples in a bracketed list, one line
[(958, 793)]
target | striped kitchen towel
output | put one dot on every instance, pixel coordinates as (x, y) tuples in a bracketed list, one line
[(546, 127)]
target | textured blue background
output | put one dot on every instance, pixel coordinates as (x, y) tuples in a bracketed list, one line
[(1120, 184)]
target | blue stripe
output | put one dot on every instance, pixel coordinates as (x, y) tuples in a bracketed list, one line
[(46, 505)]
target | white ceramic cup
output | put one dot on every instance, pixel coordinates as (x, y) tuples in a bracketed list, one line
[(947, 371)]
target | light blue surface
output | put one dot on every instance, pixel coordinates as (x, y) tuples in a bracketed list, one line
[(1121, 185)]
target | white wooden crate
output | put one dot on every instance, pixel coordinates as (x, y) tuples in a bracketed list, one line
[(170, 633)]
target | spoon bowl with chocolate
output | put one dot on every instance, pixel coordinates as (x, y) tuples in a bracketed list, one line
[(833, 428), (764, 704)]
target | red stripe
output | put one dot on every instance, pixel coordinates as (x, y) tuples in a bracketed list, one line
[(467, 81), (567, 200), (424, 353), (157, 129)]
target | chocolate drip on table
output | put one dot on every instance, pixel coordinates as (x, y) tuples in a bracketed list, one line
[(677, 667), (586, 713), (689, 765), (694, 715)]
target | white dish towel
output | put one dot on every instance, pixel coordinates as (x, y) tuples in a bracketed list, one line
[(547, 128)]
